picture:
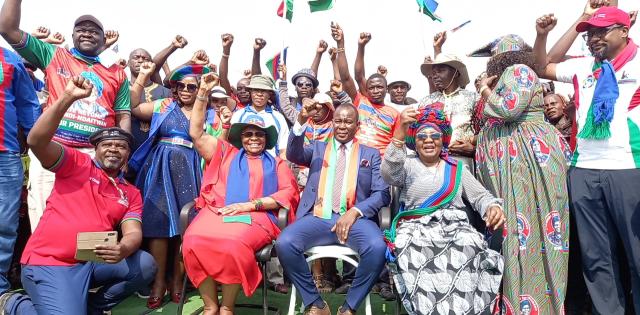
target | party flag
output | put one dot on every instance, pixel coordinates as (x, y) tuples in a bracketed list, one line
[(457, 28), (428, 8), (273, 63), (289, 8), (320, 5)]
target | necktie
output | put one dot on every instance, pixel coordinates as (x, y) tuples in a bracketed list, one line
[(338, 179)]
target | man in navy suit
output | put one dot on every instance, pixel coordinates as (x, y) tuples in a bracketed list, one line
[(352, 223)]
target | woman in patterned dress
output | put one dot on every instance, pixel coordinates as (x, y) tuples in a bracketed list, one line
[(522, 159), (443, 264)]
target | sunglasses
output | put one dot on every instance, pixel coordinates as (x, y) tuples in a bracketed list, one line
[(433, 136), (190, 87), (251, 134), (302, 85), (599, 32)]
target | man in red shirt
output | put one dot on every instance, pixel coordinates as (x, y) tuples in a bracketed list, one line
[(107, 106), (89, 195)]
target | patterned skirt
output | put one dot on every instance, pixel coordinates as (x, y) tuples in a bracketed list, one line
[(525, 163), (444, 266)]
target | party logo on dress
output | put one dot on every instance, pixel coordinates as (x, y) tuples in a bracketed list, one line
[(524, 77), (528, 305), (554, 229), (480, 156), (524, 229), (540, 149), (510, 100), (588, 82), (564, 146), (513, 150), (502, 306)]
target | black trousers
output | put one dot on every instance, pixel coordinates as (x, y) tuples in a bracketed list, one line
[(606, 206)]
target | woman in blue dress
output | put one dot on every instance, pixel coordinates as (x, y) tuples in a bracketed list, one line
[(169, 172)]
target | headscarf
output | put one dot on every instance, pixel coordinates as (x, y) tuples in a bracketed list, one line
[(431, 116)]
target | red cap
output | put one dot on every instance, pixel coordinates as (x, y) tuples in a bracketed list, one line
[(604, 17)]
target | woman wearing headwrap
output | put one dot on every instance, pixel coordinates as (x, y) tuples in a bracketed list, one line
[(169, 172), (442, 264), (521, 159), (242, 189)]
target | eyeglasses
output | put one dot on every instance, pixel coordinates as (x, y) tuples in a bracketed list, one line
[(190, 87), (301, 85), (599, 32), (433, 136), (251, 134)]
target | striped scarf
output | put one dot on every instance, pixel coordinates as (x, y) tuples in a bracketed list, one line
[(322, 208)]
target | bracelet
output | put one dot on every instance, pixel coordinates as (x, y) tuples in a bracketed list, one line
[(397, 143), (138, 83), (202, 98), (225, 55), (226, 126), (258, 205), (339, 50), (484, 87)]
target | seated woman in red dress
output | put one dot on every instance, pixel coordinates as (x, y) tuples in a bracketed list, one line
[(242, 189)]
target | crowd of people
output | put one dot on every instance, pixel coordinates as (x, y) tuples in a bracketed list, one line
[(512, 199)]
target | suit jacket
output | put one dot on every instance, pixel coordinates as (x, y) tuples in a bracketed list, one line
[(372, 193)]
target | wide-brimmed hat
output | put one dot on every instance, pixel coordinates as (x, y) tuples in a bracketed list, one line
[(500, 45), (235, 132), (262, 82), (325, 100), (307, 73), (188, 70), (218, 92), (604, 17), (111, 133), (451, 61), (394, 81)]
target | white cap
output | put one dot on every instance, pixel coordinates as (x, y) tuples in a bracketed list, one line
[(219, 92)]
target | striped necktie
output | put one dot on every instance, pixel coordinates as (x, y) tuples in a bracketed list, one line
[(339, 179)]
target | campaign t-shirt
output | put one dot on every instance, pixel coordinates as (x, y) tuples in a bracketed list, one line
[(110, 89), (377, 123), (622, 149), (84, 199)]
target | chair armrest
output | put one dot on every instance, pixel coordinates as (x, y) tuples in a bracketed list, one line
[(384, 218), (184, 216), (283, 218)]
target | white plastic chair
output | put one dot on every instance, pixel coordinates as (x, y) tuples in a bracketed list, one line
[(331, 251)]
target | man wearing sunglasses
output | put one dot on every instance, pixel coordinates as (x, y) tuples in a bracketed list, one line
[(606, 162), (109, 105)]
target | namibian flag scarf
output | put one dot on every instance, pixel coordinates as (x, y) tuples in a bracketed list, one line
[(238, 178), (605, 95), (442, 197), (322, 208)]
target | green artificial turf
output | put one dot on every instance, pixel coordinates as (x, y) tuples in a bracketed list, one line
[(135, 305)]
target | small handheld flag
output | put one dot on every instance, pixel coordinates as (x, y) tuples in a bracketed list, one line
[(320, 5), (428, 8), (273, 63), (288, 6), (457, 28)]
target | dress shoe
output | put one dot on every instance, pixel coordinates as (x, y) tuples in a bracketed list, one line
[(346, 311), (314, 310)]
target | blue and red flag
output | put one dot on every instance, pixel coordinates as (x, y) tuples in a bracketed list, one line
[(273, 63)]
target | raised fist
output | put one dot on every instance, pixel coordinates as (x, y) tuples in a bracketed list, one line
[(56, 39), (110, 38), (147, 68), (336, 32), (259, 44), (322, 47), (200, 57), (333, 53), (336, 86), (41, 32), (209, 81), (282, 71), (179, 42), (78, 88), (545, 24), (227, 40), (364, 38), (382, 70)]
